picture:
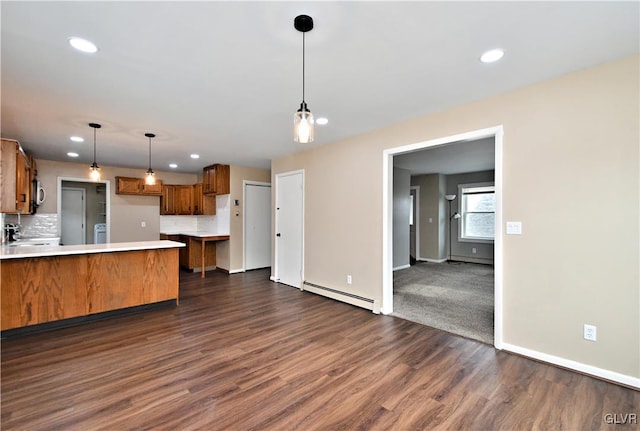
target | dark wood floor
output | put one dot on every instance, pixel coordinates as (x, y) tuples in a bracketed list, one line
[(243, 353)]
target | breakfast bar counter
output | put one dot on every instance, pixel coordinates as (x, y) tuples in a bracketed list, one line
[(197, 253), (42, 284)]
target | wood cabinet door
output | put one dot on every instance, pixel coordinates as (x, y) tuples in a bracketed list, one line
[(23, 186), (127, 186), (223, 180), (151, 189), (197, 199), (208, 179), (15, 179), (168, 200), (195, 253), (7, 176), (184, 197)]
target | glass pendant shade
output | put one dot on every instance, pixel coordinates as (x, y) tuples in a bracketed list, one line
[(94, 172), (150, 178), (303, 125)]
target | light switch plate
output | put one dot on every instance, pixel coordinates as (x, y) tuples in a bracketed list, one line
[(514, 228)]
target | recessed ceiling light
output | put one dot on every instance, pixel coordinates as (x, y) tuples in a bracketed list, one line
[(322, 121), (77, 139), (492, 55), (83, 45), (70, 154), (173, 165), (195, 156)]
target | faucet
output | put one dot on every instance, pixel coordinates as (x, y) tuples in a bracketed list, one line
[(11, 230)]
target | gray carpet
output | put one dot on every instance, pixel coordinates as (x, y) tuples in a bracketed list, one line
[(454, 297)]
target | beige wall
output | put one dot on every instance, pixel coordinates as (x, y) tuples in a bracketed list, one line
[(127, 212), (230, 254), (570, 174)]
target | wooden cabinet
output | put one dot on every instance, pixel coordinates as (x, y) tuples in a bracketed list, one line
[(16, 175), (191, 255), (194, 249), (184, 199), (137, 186), (184, 251), (176, 200), (168, 200), (151, 189), (45, 289), (216, 179), (198, 199), (203, 204)]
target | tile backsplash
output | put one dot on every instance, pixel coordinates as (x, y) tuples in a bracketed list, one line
[(219, 223), (36, 225)]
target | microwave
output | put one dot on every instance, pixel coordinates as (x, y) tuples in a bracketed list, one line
[(38, 196)]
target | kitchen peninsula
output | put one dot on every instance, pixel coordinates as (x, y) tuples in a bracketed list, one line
[(42, 284)]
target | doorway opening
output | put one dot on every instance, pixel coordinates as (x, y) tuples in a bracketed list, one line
[(257, 225), (494, 133), (92, 226)]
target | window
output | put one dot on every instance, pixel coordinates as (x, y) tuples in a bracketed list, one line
[(478, 211)]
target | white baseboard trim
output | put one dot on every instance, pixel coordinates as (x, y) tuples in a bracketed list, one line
[(424, 259), (272, 278), (236, 271), (468, 259), (338, 295), (573, 365), (398, 268)]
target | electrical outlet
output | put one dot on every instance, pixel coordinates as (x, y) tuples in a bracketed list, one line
[(589, 332), (349, 279), (473, 250), (143, 224)]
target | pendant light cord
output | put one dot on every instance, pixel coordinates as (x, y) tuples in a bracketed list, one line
[(94, 145), (304, 105), (149, 153)]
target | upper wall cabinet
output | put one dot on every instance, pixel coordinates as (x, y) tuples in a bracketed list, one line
[(186, 200), (16, 174), (216, 180), (137, 186)]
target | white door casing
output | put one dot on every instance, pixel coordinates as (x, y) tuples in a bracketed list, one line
[(387, 218), (289, 229), (257, 225)]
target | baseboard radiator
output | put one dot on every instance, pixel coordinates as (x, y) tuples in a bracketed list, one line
[(338, 295)]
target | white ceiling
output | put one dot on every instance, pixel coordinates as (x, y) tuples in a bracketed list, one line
[(223, 79)]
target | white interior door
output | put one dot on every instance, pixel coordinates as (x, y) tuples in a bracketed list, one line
[(73, 218), (289, 228), (257, 226)]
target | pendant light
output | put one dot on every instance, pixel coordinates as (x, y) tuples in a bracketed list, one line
[(94, 170), (150, 178), (303, 118)]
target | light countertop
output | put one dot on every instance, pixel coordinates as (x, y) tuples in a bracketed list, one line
[(7, 252), (196, 233)]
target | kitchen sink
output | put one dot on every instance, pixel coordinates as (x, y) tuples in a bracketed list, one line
[(31, 242)]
